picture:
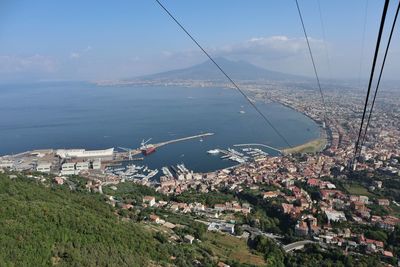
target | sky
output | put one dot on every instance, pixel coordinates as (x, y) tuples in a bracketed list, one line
[(45, 40)]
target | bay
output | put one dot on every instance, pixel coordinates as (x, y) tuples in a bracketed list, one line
[(83, 115)]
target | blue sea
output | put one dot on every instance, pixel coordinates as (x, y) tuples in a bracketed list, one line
[(83, 115)]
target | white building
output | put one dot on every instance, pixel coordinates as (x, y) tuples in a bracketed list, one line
[(82, 153), (96, 164), (223, 227), (43, 167), (150, 200), (188, 239), (5, 163), (82, 166), (68, 169), (335, 216)]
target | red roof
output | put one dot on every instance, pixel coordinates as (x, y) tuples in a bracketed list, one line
[(375, 242), (313, 182), (387, 253)]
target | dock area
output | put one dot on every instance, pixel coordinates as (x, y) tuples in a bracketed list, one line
[(183, 139), (262, 145), (123, 155)]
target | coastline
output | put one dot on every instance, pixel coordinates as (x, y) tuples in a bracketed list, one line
[(313, 146)]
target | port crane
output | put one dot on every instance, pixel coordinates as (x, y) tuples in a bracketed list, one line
[(129, 150), (143, 144)]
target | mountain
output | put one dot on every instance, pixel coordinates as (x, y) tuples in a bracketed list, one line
[(237, 70)]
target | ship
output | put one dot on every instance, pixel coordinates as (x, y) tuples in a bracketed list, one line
[(166, 172), (213, 151), (152, 174), (147, 149)]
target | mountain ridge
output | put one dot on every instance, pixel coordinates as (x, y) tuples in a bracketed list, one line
[(237, 70)]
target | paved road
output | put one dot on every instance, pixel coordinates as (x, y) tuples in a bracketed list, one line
[(257, 231), (296, 245)]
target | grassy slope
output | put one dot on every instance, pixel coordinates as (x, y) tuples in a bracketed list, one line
[(228, 247), (356, 189), (42, 226)]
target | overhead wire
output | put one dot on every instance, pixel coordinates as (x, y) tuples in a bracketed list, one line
[(328, 61), (312, 60), (378, 41), (380, 75), (362, 43), (225, 74)]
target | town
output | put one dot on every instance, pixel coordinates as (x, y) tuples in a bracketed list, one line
[(321, 196)]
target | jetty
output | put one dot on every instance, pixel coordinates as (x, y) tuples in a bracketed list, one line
[(133, 152), (183, 139), (262, 145)]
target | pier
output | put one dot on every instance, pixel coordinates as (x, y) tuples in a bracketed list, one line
[(270, 147), (121, 156), (182, 139)]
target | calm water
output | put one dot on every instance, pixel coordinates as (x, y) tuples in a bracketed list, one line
[(79, 115)]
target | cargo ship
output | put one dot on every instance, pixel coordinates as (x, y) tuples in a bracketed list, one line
[(147, 150)]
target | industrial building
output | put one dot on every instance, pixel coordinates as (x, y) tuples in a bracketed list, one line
[(44, 167), (105, 154)]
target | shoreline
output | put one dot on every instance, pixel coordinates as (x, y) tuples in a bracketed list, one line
[(313, 146)]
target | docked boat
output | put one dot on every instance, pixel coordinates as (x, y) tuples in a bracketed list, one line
[(213, 151), (152, 174), (148, 150)]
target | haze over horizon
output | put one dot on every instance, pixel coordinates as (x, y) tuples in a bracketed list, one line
[(131, 39)]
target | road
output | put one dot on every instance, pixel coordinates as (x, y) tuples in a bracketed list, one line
[(297, 245), (257, 231)]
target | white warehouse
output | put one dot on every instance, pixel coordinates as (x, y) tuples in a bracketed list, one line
[(82, 153)]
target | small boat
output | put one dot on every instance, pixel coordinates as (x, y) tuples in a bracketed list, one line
[(213, 151)]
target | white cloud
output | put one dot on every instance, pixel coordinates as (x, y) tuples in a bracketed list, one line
[(271, 47), (280, 53)]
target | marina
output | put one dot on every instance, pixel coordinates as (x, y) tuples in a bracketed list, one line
[(131, 172), (262, 145), (246, 155)]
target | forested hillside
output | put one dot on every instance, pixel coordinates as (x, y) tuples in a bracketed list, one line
[(44, 226)]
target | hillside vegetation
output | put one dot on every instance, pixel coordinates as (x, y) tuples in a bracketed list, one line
[(47, 225), (43, 226)]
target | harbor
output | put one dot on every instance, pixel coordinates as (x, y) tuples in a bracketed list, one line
[(131, 172), (126, 125), (248, 153), (123, 165), (146, 148)]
